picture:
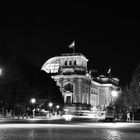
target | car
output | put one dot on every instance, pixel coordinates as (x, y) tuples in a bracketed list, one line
[(120, 117)]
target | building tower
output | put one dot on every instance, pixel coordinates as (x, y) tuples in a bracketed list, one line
[(70, 73)]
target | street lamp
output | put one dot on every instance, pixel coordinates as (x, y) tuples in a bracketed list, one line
[(33, 101), (0, 71), (114, 93), (51, 106), (57, 109)]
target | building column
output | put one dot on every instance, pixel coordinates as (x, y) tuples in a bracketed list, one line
[(64, 98), (74, 92), (79, 91), (71, 98), (88, 93)]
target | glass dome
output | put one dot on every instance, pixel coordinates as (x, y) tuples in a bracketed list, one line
[(52, 65)]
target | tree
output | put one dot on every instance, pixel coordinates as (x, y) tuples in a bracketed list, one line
[(22, 80), (130, 96), (42, 83)]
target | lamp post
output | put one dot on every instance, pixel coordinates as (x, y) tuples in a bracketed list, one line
[(114, 95), (51, 107), (33, 101), (57, 109)]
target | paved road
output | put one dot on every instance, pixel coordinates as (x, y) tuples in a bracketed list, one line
[(45, 130)]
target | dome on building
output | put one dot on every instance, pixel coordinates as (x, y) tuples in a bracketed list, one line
[(65, 62), (52, 65)]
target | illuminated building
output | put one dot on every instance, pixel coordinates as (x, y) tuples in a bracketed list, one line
[(101, 88), (70, 73), (79, 90)]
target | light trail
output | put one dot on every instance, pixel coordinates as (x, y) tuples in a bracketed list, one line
[(73, 125)]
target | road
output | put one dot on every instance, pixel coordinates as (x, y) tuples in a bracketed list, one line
[(61, 130)]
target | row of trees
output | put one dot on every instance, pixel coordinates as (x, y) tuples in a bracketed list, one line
[(129, 99), (20, 80)]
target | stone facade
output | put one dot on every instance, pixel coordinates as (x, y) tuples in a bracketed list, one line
[(101, 88), (78, 88)]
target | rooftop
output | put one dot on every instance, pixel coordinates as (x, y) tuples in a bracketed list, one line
[(73, 54)]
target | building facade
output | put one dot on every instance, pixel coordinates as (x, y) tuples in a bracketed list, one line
[(79, 89), (70, 73), (101, 89)]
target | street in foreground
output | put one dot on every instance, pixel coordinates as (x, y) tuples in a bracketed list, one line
[(69, 131)]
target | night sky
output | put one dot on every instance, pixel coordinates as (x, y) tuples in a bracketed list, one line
[(106, 36)]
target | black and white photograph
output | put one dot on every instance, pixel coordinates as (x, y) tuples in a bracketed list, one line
[(69, 71)]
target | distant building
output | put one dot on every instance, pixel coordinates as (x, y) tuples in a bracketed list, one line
[(101, 88), (79, 89)]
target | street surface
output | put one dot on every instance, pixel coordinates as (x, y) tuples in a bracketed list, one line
[(36, 129)]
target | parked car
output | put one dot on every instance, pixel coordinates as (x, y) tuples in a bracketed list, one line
[(120, 117), (109, 114)]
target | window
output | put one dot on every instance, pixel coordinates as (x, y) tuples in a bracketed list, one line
[(70, 63), (68, 87), (75, 62), (68, 99), (65, 62)]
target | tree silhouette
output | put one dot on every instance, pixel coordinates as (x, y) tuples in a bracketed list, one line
[(22, 79), (130, 96)]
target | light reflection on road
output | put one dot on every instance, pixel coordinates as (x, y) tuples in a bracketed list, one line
[(85, 125), (88, 131), (113, 134)]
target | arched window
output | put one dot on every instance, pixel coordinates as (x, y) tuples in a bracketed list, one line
[(68, 87), (65, 62), (75, 62), (70, 63)]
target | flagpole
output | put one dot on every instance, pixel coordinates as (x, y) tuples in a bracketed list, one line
[(72, 46), (74, 49), (110, 73)]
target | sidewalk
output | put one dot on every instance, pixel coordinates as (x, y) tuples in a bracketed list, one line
[(78, 118), (29, 118)]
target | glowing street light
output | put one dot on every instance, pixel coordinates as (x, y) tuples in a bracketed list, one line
[(51, 107), (57, 106), (33, 100), (50, 104), (0, 71), (57, 109), (114, 93)]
